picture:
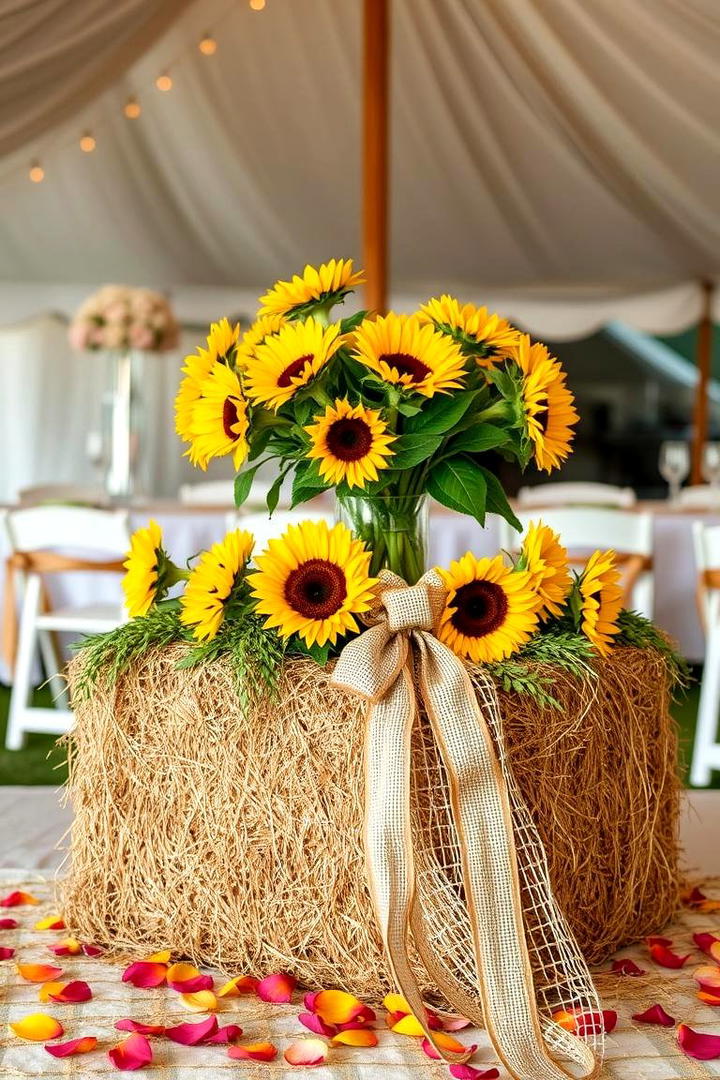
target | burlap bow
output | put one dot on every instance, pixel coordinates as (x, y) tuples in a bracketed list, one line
[(383, 665)]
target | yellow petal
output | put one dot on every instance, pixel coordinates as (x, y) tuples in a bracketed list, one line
[(49, 988), (396, 1003), (38, 1027), (408, 1025), (201, 1001), (356, 1037), (162, 957)]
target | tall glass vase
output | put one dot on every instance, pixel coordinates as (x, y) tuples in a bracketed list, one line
[(123, 426), (394, 527)]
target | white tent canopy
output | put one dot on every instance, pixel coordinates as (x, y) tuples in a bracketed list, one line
[(557, 159)]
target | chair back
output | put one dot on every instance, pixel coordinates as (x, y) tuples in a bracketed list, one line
[(700, 497), (209, 493), (706, 541), (79, 528), (73, 494), (264, 528), (576, 494)]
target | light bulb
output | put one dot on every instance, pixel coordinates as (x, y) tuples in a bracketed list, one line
[(37, 173), (87, 143), (257, 5), (207, 45), (132, 108), (164, 83)]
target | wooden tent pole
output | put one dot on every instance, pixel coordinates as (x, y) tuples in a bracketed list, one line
[(703, 360), (376, 39)]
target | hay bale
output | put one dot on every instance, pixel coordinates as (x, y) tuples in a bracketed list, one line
[(235, 838)]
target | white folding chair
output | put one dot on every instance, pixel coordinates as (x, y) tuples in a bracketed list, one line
[(56, 540), (264, 527), (62, 493), (210, 493), (706, 751), (576, 494), (584, 529)]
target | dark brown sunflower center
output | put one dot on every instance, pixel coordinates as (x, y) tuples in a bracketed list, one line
[(230, 418), (316, 589), (349, 439), (293, 370), (405, 364), (481, 607)]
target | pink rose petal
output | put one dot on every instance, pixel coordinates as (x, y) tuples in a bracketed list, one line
[(140, 1029), (132, 1053), (469, 1072), (145, 975), (310, 1001), (92, 950), (654, 1015), (193, 1034), (230, 1033), (316, 1024), (454, 1023), (6, 953), (277, 988), (73, 993), (705, 942), (9, 924), (697, 1044), (626, 966), (308, 1052), (73, 1046), (194, 985)]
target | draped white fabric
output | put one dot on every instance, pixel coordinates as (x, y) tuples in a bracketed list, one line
[(534, 143)]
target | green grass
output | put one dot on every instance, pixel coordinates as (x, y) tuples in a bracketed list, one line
[(41, 762)]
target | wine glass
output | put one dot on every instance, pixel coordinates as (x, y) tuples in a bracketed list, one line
[(711, 468), (674, 466)]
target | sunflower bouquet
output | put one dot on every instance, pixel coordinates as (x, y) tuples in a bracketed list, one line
[(384, 409)]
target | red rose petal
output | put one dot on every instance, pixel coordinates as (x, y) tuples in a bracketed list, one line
[(6, 953), (697, 1044), (192, 1034), (145, 975), (132, 1053), (73, 1046), (469, 1072), (276, 988), (139, 1028), (9, 924), (665, 957), (316, 1024), (227, 1034), (17, 899), (92, 950), (194, 985), (73, 993), (654, 1015), (650, 941), (705, 942), (626, 966)]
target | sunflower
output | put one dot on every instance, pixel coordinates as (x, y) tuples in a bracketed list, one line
[(546, 561), (217, 422), (549, 406), (261, 329), (313, 581), (211, 584), (490, 611), (479, 334), (220, 343), (322, 286), (601, 600), (351, 443), (288, 360), (401, 350), (150, 572)]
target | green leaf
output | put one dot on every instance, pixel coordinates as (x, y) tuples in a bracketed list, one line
[(348, 324), (476, 439), (497, 502), (304, 410), (273, 494), (441, 413), (409, 450), (243, 483), (307, 483), (459, 484), (408, 407)]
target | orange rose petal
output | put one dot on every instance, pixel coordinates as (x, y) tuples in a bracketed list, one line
[(38, 973), (396, 1003), (708, 977), (162, 957), (49, 988), (708, 998), (259, 1051), (73, 1046), (565, 1019), (409, 1025), (306, 1052), (201, 1001), (38, 1027), (52, 922), (181, 972), (241, 984), (132, 1053), (338, 1007), (363, 1036), (68, 946), (17, 899)]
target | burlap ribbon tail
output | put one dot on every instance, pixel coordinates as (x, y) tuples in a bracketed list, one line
[(398, 652)]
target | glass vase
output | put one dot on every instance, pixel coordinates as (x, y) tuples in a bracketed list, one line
[(394, 527)]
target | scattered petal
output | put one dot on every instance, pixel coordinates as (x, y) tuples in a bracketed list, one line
[(565, 1019), (626, 966), (49, 988), (665, 957), (707, 998), (705, 942), (446, 1042), (242, 984), (9, 924), (72, 993), (593, 1023), (38, 1027), (228, 1034), (454, 1023), (17, 899), (654, 1015), (396, 1003), (259, 1051), (38, 973), (699, 901), (201, 1001), (6, 953), (132, 1053), (650, 941), (708, 978), (162, 957), (145, 974), (52, 922), (92, 950), (339, 1007), (310, 999), (186, 979), (362, 1036), (68, 946), (469, 1072), (316, 1024), (409, 1025), (306, 1052), (697, 1044), (140, 1029), (277, 988), (192, 1034), (73, 1046)]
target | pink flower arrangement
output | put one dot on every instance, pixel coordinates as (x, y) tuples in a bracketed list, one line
[(118, 317)]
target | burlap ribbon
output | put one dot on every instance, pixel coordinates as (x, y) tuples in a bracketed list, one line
[(383, 665), (39, 562)]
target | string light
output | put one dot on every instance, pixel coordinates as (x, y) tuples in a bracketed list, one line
[(257, 5), (87, 143), (164, 82), (132, 108), (37, 173), (207, 45)]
